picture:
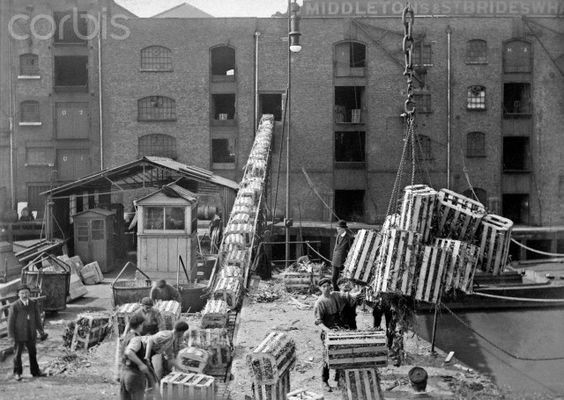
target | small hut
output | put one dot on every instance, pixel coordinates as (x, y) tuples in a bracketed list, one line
[(166, 229), (94, 237)]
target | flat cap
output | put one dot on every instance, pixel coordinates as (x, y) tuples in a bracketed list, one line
[(417, 375), (323, 281), (146, 301)]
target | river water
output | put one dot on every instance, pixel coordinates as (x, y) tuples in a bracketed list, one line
[(482, 340)]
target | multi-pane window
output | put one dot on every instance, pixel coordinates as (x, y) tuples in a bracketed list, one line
[(29, 111), (164, 218), (477, 51), (157, 145), (422, 102), (476, 144), (476, 98), (29, 64), (350, 147), (156, 108), (72, 27), (517, 56), (350, 59), (156, 58), (422, 54)]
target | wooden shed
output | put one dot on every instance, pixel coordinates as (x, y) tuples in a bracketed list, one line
[(166, 229), (94, 237)]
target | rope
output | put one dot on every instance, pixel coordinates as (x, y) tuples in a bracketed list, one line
[(517, 357), (316, 252), (528, 299), (280, 157), (312, 187), (537, 251)]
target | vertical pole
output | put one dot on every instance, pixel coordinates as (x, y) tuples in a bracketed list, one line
[(436, 320), (449, 107), (288, 113)]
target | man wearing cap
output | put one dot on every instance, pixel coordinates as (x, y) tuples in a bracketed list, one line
[(327, 311), (343, 243), (134, 373), (418, 379), (164, 291), (163, 347), (24, 321), (154, 321)]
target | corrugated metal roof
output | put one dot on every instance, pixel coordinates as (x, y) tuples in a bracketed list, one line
[(174, 188)]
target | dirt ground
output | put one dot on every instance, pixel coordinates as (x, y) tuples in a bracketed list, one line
[(89, 375)]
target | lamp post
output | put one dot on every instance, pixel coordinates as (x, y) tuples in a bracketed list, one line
[(293, 47)]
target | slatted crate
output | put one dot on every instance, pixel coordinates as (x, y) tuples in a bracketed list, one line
[(391, 221), (273, 358), (192, 359), (495, 238), (460, 272), (246, 230), (272, 391), (170, 310), (122, 314), (217, 343), (244, 201), (430, 277), (239, 258), (229, 290), (361, 384), (359, 265), (180, 386), (89, 330), (302, 394), (355, 349), (231, 271), (233, 241), (256, 168), (417, 210), (297, 281), (215, 314), (396, 262), (240, 218), (458, 217), (250, 210)]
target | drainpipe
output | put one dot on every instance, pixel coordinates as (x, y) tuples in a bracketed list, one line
[(449, 107), (100, 103), (257, 35), (12, 177)]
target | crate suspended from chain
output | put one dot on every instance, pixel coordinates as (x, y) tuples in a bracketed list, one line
[(417, 210), (170, 310), (391, 221), (192, 359), (495, 238), (89, 330), (430, 275), (359, 265), (217, 343), (274, 357), (272, 391), (229, 290), (361, 384), (356, 349), (396, 262), (458, 217), (215, 314), (180, 385), (460, 272)]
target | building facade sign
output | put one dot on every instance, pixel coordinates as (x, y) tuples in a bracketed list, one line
[(374, 8)]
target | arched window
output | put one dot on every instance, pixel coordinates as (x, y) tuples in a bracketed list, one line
[(29, 111), (156, 58), (350, 58), (156, 108), (480, 193), (476, 98), (517, 56), (157, 145), (475, 144), (477, 51), (223, 63), (29, 64)]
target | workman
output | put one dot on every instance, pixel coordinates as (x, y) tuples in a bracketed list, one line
[(418, 379), (343, 242), (165, 292), (381, 308), (327, 311), (215, 232), (134, 372), (348, 313), (154, 321), (163, 347)]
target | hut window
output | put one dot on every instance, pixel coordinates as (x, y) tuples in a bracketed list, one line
[(164, 218)]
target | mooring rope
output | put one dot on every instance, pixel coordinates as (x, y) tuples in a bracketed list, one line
[(529, 299)]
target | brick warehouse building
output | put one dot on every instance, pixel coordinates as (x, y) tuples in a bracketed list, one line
[(185, 89)]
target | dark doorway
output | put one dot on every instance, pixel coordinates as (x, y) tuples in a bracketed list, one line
[(349, 204)]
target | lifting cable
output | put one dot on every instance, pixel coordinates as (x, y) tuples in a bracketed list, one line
[(280, 156), (498, 347), (536, 251)]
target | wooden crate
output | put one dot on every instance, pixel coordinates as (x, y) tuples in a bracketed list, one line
[(192, 359), (250, 210), (237, 257), (239, 218), (495, 238), (430, 276), (233, 241), (396, 262), (302, 394), (359, 265), (231, 271), (355, 349), (361, 384), (215, 314), (297, 281), (417, 210), (458, 217), (122, 314), (272, 391), (391, 221), (180, 386), (460, 272), (170, 310), (217, 343), (273, 358), (229, 290), (89, 330), (244, 201), (245, 230)]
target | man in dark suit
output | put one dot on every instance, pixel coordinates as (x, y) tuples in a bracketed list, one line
[(343, 243), (23, 322)]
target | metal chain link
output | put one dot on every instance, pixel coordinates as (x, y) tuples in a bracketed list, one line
[(408, 44)]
